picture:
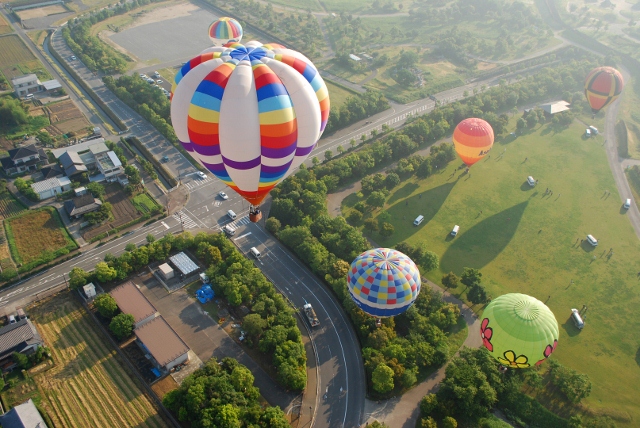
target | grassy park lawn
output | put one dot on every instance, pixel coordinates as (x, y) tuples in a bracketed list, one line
[(526, 242), (631, 114), (337, 94), (36, 233)]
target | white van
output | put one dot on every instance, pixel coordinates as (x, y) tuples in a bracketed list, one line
[(231, 214), (627, 204), (229, 230), (577, 319), (593, 130), (587, 133), (418, 220), (593, 241), (531, 181), (28, 97), (255, 252), (455, 230)]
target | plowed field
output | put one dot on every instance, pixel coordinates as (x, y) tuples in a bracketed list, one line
[(88, 387)]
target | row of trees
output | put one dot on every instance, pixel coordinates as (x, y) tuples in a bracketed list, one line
[(355, 108), (222, 394), (12, 113), (397, 351), (271, 324), (120, 324), (473, 386)]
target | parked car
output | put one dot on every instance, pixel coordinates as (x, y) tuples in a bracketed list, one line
[(201, 174), (159, 81), (627, 204), (165, 158), (73, 58), (223, 195)]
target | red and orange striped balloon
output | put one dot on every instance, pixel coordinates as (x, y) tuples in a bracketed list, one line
[(602, 87), (472, 138)]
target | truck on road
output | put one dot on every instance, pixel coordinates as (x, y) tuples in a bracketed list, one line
[(311, 315)]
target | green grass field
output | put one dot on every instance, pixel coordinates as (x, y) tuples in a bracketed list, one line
[(337, 94), (526, 242), (144, 203)]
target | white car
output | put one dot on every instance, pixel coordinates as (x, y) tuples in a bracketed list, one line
[(73, 58), (144, 76), (201, 174), (159, 82), (223, 195)]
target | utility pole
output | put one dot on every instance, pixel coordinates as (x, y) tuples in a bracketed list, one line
[(181, 223)]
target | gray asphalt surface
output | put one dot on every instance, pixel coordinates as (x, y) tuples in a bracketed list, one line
[(341, 382)]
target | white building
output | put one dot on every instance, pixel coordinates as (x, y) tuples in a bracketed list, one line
[(26, 84), (49, 188), (109, 165)]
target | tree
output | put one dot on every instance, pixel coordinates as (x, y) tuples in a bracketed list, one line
[(477, 294), (104, 273), (21, 360), (449, 422), (106, 305), (150, 238), (428, 404), (122, 326), (96, 189), (428, 422), (133, 175), (392, 180), (273, 225), (450, 280), (574, 385), (386, 229), (430, 260), (130, 246), (470, 276), (328, 155), (354, 217), (376, 200), (382, 378), (77, 278), (371, 224), (253, 324)]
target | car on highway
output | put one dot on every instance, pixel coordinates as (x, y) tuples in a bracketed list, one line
[(201, 174), (223, 195)]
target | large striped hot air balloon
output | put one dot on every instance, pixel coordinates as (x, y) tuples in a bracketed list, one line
[(472, 138), (383, 282), (519, 330), (250, 114), (224, 30), (602, 86)]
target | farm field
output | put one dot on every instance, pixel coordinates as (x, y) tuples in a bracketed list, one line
[(40, 12), (144, 203), (65, 118), (9, 206), (88, 387), (525, 241), (35, 233), (337, 94), (16, 59), (123, 210), (4, 26)]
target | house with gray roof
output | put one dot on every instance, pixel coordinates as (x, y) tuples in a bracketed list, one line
[(23, 415), (20, 336), (80, 205), (22, 159), (72, 164)]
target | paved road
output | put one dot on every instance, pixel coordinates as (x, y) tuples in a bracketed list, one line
[(341, 382), (147, 134)]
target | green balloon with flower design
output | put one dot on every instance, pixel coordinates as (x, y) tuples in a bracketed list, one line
[(519, 330)]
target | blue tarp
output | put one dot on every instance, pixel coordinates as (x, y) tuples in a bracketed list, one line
[(205, 294), (156, 372)]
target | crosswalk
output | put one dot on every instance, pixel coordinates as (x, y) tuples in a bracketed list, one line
[(187, 221), (240, 222), (197, 182)]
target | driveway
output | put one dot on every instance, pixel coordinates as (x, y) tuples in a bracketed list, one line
[(205, 337)]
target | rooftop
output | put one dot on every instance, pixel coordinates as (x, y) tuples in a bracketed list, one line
[(161, 340), (50, 85), (23, 415), (130, 300), (51, 183), (99, 147), (77, 147), (26, 78), (183, 263), (14, 334), (555, 107), (108, 162)]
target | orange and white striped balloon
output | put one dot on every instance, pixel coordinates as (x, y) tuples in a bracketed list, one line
[(472, 139)]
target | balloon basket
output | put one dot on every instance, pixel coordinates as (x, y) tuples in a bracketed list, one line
[(255, 217)]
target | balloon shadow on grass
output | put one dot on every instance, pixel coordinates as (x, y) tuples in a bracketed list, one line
[(427, 204), (479, 245), (402, 192)]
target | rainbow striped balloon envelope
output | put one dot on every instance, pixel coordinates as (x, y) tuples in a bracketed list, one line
[(383, 282), (472, 138), (225, 30), (602, 86), (250, 114)]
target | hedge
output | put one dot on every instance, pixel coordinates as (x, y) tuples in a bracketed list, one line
[(164, 172), (140, 219), (121, 126)]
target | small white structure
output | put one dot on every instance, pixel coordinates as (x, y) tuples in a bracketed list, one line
[(89, 290), (183, 263), (49, 188), (80, 191), (555, 107), (166, 271), (355, 57)]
